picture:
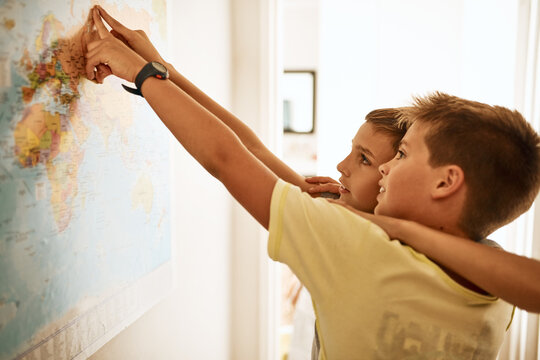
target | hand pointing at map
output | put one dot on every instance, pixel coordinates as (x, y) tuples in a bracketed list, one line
[(123, 61), (137, 40), (90, 34)]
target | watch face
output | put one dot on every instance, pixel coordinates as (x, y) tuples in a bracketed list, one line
[(159, 67)]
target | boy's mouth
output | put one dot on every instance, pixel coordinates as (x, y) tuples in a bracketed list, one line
[(343, 190), (382, 190)]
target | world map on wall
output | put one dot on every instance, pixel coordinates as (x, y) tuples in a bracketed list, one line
[(84, 171)]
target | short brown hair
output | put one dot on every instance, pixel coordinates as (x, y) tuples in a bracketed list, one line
[(387, 121), (495, 147)]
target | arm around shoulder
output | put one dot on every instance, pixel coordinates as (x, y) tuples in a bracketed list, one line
[(513, 278)]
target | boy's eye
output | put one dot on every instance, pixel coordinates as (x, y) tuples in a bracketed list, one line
[(400, 155), (364, 159)]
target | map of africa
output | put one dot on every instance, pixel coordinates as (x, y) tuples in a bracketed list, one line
[(84, 172)]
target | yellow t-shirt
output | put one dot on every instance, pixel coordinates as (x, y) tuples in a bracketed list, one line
[(375, 298)]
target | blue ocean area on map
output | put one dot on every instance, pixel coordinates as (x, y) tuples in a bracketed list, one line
[(84, 175)]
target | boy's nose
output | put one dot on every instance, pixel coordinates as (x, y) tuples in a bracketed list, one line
[(342, 168), (384, 168)]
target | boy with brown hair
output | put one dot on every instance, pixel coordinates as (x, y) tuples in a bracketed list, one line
[(493, 146), (388, 300), (373, 298)]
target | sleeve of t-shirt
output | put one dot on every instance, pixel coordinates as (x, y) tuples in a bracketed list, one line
[(323, 243)]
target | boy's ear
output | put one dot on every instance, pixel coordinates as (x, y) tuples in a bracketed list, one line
[(451, 180)]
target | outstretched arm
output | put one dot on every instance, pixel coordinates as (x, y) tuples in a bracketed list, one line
[(139, 42), (513, 278), (204, 136), (246, 135)]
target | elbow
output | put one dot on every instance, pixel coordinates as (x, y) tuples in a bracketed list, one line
[(213, 169), (224, 157), (217, 164)]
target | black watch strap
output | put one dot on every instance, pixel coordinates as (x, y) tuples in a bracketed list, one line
[(132, 90), (151, 69)]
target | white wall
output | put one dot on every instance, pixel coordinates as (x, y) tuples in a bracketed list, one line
[(194, 322), (377, 53), (300, 41), (246, 244), (255, 68), (300, 34), (222, 307)]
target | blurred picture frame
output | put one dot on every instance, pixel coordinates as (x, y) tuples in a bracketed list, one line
[(299, 101)]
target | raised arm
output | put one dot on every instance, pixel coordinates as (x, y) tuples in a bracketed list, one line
[(513, 278), (205, 137), (139, 42), (246, 135)]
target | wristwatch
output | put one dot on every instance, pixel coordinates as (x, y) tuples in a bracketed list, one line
[(152, 69)]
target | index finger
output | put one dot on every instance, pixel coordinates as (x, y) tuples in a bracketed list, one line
[(115, 24), (321, 179), (100, 27)]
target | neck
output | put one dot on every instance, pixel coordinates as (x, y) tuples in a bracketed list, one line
[(462, 281), (452, 230), (457, 278), (445, 216)]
